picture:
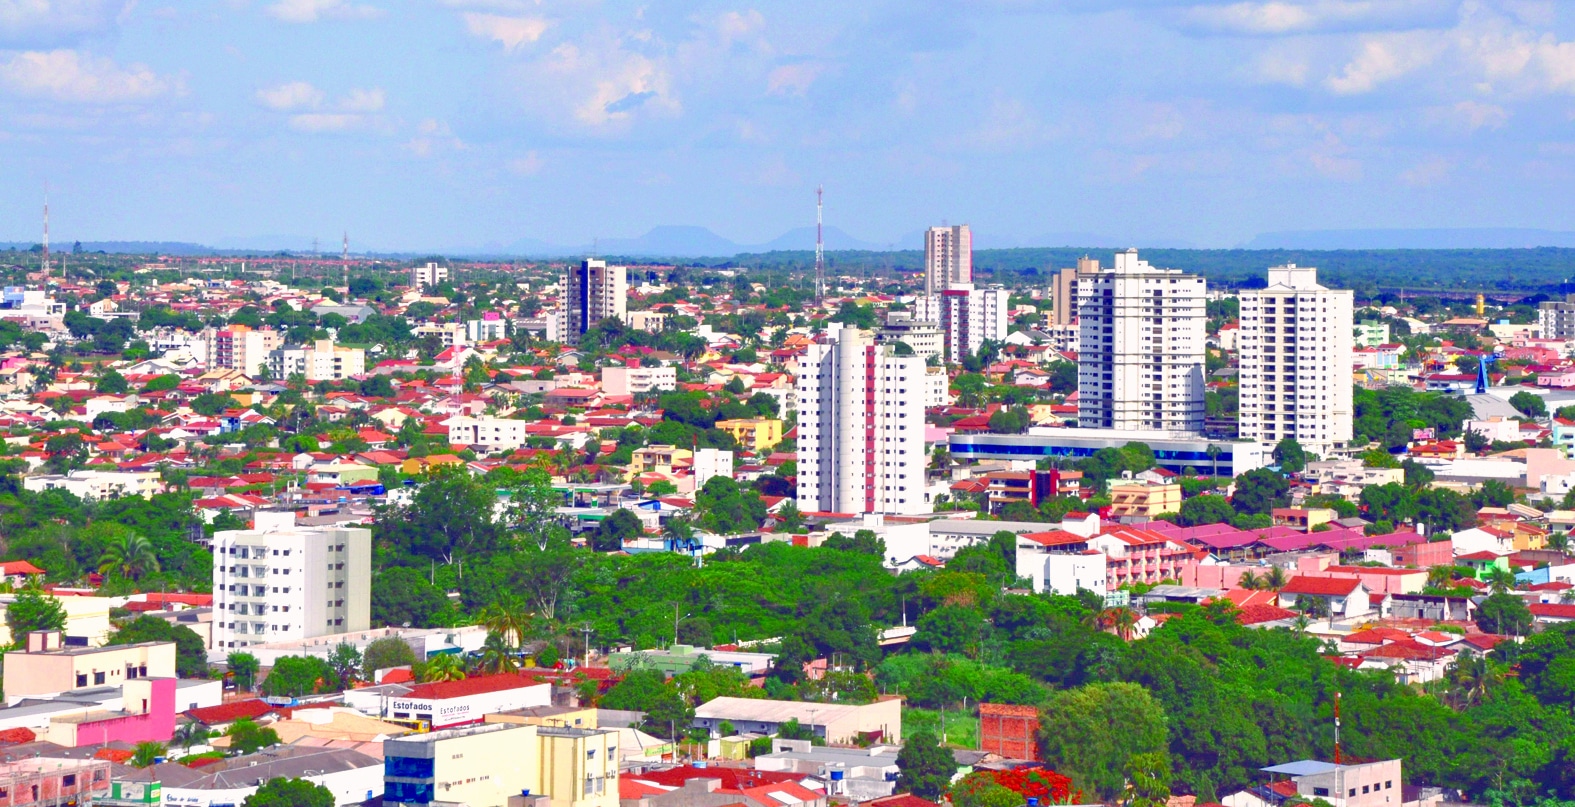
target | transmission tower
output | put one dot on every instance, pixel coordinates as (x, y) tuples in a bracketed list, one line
[(820, 249)]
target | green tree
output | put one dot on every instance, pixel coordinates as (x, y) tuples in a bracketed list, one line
[(1076, 738), (384, 653), (925, 768), (1290, 456), (33, 610), (403, 596), (622, 525), (1207, 508), (1505, 614), (1259, 491), (131, 557), (281, 792), (294, 676), (447, 667), (1148, 780), (246, 737), (145, 754), (245, 667), (191, 657), (111, 382), (345, 661), (1529, 404)]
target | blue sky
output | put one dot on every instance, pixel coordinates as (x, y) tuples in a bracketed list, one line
[(432, 124)]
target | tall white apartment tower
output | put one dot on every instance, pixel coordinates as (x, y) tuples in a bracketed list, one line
[(430, 275), (948, 258), (279, 582), (861, 427), (1296, 351), (1140, 356), (968, 316), (591, 293)]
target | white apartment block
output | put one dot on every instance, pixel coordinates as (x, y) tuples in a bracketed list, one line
[(711, 462), (861, 427), (593, 292), (1296, 355), (924, 336), (490, 328), (428, 275), (98, 485), (487, 434), (948, 258), (451, 334), (320, 361), (1141, 339), (968, 317), (937, 388), (1556, 318), (279, 582), (638, 380), (239, 348)]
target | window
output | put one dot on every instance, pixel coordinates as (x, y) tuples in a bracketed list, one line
[(98, 678)]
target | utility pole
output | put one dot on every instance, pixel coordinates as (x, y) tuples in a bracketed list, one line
[(586, 629)]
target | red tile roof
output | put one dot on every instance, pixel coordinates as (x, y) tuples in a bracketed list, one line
[(470, 686), (229, 712), (1258, 614), (1322, 586), (17, 735), (732, 778), (1553, 610)]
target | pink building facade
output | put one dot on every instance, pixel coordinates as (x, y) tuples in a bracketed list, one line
[(147, 715)]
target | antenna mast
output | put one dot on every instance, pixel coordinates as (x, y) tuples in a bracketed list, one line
[(820, 249), (345, 258), (46, 233)]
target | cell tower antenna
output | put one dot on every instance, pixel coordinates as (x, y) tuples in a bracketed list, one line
[(820, 247), (344, 258), (46, 232)]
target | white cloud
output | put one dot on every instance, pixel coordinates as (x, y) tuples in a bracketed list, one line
[(510, 32), (1278, 67), (301, 11), (793, 79), (35, 23), (363, 100), (292, 95), (76, 77), (1285, 17), (1381, 59), (528, 165), (431, 136), (1430, 172), (1477, 115), (315, 122)]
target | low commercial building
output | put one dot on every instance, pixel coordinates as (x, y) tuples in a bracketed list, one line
[(486, 766), (855, 774), (45, 667), (682, 657), (1173, 451), (147, 714), (1369, 784), (98, 485), (450, 704), (352, 776), (1136, 499), (87, 620), (835, 723), (53, 780)]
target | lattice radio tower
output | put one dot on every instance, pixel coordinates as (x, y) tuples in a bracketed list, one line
[(820, 249)]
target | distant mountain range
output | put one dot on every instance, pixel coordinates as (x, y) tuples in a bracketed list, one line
[(1461, 238), (684, 242)]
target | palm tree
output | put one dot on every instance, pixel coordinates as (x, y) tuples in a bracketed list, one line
[(447, 667), (132, 556), (1470, 678), (497, 656), (1440, 576), (1500, 580), (1249, 581), (1274, 579), (1121, 621), (508, 618), (1559, 542)]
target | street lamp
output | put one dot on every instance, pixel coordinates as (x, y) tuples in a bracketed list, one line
[(677, 619)]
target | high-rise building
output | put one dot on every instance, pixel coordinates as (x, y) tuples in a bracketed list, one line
[(1295, 355), (279, 582), (429, 275), (924, 336), (1140, 347), (948, 258), (1063, 291), (238, 347), (1556, 318), (591, 293), (968, 317), (861, 427)]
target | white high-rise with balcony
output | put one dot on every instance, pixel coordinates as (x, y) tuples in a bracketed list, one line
[(861, 427), (593, 292), (1141, 343), (279, 582), (1296, 351), (948, 258), (968, 317)]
